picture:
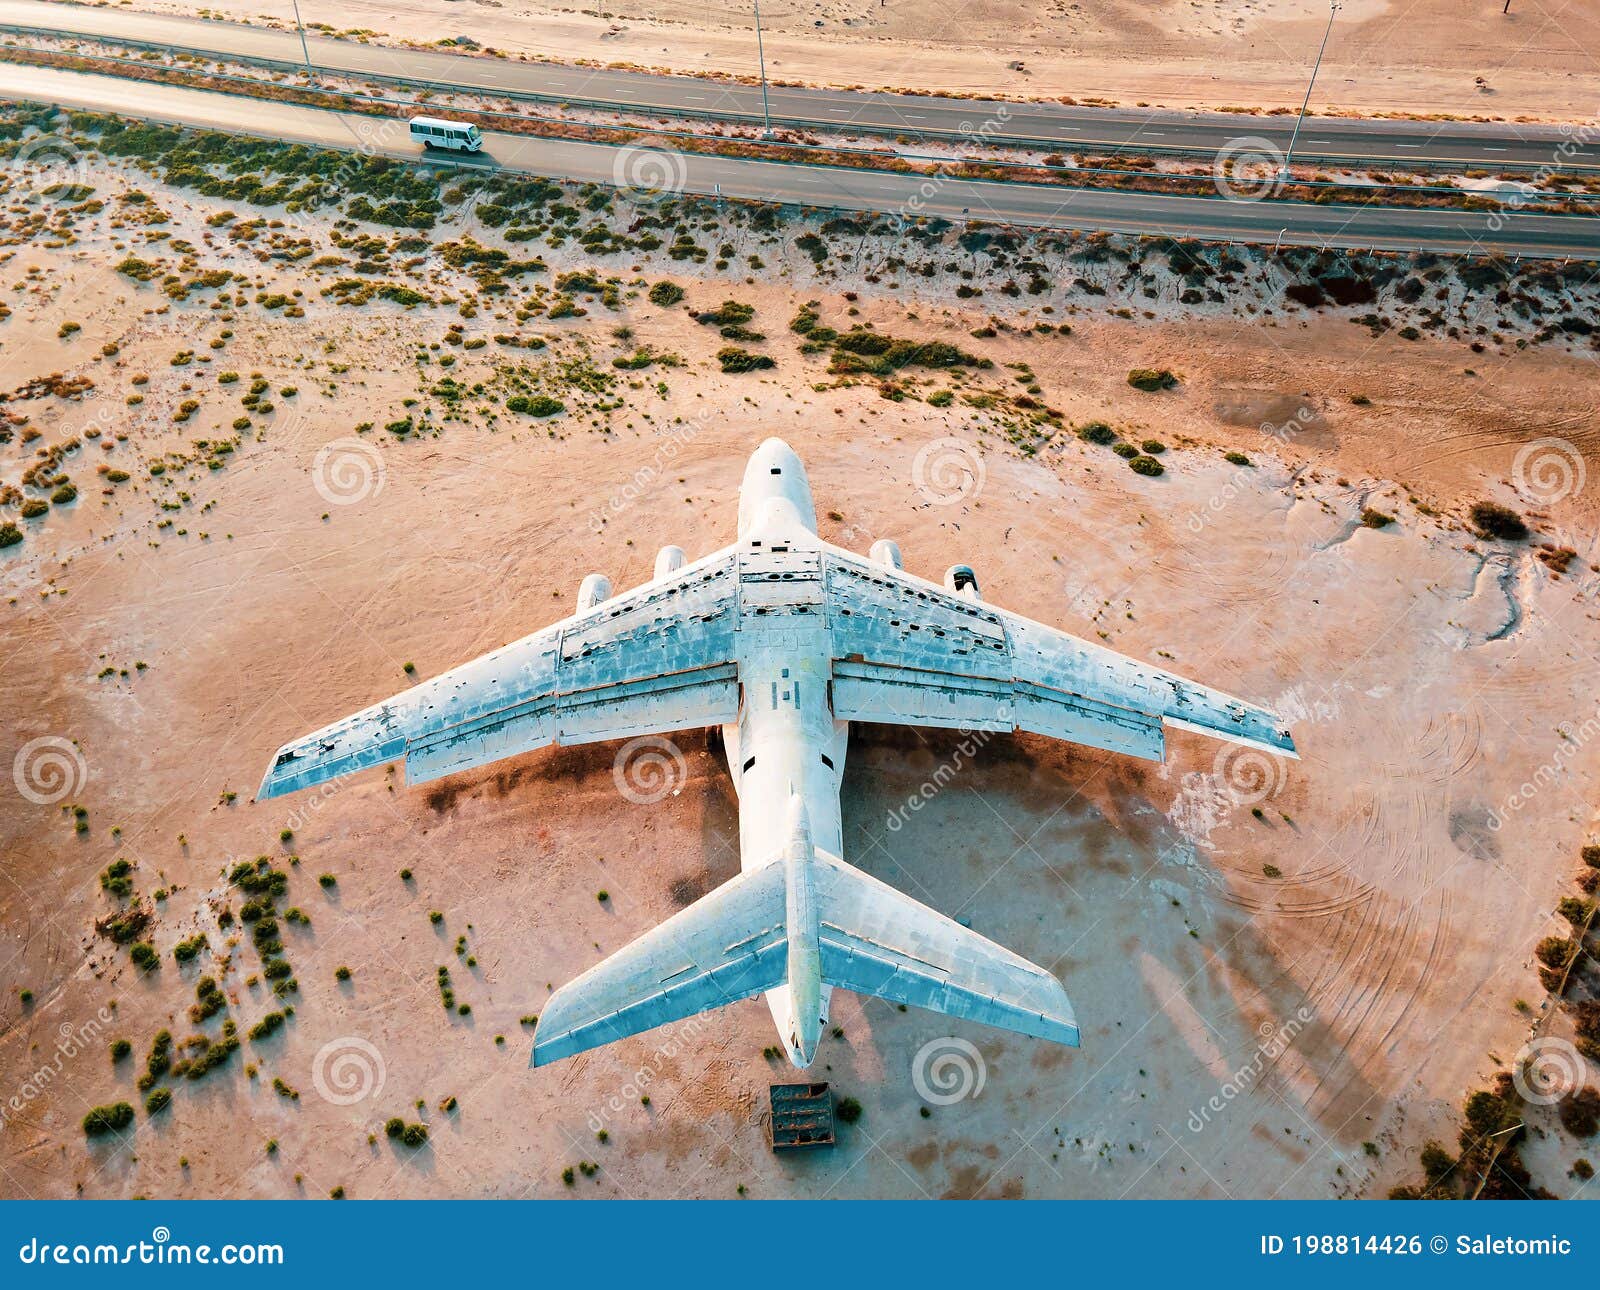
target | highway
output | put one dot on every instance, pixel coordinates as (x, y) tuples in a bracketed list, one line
[(1331, 140), (832, 187)]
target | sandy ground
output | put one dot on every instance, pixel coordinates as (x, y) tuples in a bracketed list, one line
[(1244, 1034), (1426, 58)]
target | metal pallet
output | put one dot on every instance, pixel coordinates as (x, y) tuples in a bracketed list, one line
[(802, 1116)]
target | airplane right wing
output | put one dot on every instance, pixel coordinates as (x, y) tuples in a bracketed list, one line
[(908, 652), (657, 658)]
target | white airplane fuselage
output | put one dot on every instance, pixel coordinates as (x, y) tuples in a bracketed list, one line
[(786, 744)]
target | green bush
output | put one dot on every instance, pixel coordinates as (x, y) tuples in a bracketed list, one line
[(1097, 432), (183, 951), (1151, 379), (666, 294), (157, 1099), (1580, 1112), (1495, 521), (848, 1110), (1146, 466), (535, 405), (734, 359), (116, 880), (731, 313), (107, 1119)]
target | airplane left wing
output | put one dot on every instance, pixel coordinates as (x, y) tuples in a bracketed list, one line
[(653, 659), (908, 652), (727, 946)]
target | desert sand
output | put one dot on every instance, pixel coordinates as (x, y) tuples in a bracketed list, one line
[(1244, 1034), (1424, 59)]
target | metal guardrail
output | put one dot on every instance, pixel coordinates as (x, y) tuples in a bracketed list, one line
[(1520, 200), (696, 114)]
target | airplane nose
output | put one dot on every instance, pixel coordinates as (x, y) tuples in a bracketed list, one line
[(775, 475)]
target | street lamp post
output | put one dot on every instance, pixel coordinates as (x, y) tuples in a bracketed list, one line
[(304, 49), (1283, 173), (761, 57)]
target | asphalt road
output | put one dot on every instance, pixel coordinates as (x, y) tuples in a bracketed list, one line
[(1036, 205), (1353, 142)]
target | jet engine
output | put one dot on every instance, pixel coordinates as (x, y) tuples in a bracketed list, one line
[(961, 581), (668, 560), (887, 553), (594, 588)]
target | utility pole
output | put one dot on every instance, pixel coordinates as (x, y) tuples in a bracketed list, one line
[(1283, 172), (761, 57), (304, 49)]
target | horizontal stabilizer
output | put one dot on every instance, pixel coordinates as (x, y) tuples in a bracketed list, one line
[(727, 946), (878, 941)]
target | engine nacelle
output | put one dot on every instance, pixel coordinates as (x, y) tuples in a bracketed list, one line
[(669, 560), (886, 553), (594, 588), (961, 581)]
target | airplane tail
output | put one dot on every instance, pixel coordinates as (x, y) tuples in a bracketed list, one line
[(745, 938)]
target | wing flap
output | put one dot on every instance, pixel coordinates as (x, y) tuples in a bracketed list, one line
[(727, 946), (899, 696)]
